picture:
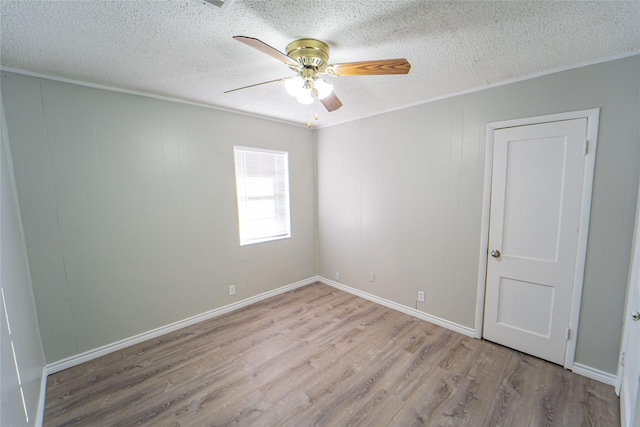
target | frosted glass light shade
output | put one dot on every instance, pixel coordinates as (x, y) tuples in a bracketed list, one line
[(305, 97), (294, 86), (323, 89)]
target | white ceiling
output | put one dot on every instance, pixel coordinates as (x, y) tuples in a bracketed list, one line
[(184, 50)]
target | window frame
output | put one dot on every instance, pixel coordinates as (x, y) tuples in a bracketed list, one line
[(283, 200)]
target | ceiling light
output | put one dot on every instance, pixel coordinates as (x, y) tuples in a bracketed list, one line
[(323, 89), (304, 97), (294, 85), (306, 90)]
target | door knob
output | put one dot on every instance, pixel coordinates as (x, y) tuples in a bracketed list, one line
[(495, 253), (635, 315)]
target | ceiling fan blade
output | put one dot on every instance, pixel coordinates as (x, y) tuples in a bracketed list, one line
[(265, 48), (331, 102), (370, 68), (258, 84)]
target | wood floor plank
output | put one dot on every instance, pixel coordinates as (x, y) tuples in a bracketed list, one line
[(318, 356)]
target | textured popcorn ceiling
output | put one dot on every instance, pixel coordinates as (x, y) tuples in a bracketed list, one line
[(183, 49)]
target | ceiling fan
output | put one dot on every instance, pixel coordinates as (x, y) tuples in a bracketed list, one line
[(309, 58)]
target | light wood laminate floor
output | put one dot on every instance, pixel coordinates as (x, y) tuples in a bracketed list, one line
[(320, 356)]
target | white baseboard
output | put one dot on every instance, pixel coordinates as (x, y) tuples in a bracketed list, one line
[(595, 374), (43, 394), (78, 359), (464, 330)]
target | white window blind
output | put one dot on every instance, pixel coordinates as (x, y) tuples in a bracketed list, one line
[(262, 183)]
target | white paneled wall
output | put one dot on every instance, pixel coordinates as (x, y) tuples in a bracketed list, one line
[(400, 195), (130, 211)]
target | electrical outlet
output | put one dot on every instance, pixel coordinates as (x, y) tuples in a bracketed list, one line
[(337, 276), (372, 277), (421, 296), (232, 289)]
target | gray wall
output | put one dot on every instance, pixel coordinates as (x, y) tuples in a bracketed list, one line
[(400, 195), (129, 210), (20, 308), (128, 204)]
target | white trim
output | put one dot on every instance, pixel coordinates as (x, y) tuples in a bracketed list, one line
[(592, 116), (464, 330), (629, 410), (494, 85), (78, 359), (437, 98), (41, 400), (593, 120), (634, 267), (484, 232), (618, 385), (145, 94), (594, 374), (259, 149), (4, 140)]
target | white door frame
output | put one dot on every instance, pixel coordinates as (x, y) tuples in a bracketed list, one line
[(592, 117), (634, 267), (634, 277)]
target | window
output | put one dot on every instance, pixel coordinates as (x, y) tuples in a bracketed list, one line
[(262, 183)]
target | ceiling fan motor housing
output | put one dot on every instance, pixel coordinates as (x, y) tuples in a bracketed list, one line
[(310, 53)]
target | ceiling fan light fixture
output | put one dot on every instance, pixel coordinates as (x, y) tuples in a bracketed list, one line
[(294, 86), (305, 97), (322, 88), (309, 58)]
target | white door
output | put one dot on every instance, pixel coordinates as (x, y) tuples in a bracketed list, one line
[(630, 390), (536, 201)]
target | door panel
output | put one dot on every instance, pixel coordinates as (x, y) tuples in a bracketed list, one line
[(536, 198), (532, 216), (536, 316), (630, 390)]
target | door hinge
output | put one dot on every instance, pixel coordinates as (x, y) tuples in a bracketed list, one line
[(568, 334), (586, 147), (622, 359)]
